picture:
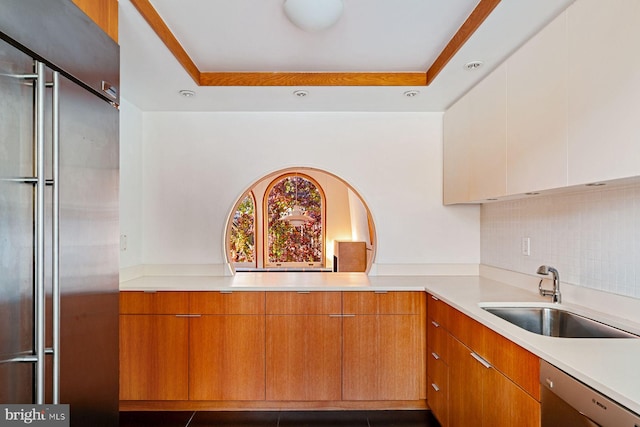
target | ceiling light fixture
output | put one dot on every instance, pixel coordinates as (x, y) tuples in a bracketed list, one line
[(313, 15), (296, 216), (411, 93), (300, 93), (473, 65), (187, 93)]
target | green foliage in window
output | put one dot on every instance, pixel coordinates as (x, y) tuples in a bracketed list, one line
[(242, 240), (287, 243)]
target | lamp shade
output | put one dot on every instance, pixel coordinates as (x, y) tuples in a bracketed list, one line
[(313, 15)]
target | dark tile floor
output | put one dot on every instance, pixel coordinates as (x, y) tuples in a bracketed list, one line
[(279, 419)]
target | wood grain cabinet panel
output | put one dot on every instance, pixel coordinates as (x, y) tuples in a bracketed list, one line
[(384, 346), (492, 381), (135, 302), (303, 357), (465, 387), (368, 302), (382, 358), (304, 302), (226, 302), (103, 12), (154, 359), (227, 357)]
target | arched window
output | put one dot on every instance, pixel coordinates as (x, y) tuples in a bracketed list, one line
[(242, 242), (294, 222)]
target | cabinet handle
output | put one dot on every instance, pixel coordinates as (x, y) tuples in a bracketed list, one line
[(435, 355), (188, 315), (435, 387), (342, 315), (435, 324), (481, 360)]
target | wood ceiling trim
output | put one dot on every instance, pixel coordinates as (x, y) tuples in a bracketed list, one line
[(156, 23), (473, 22), (313, 79)]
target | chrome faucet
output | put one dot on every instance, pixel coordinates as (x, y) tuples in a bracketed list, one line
[(555, 292)]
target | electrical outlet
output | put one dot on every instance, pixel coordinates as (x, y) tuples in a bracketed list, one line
[(123, 242), (526, 246)]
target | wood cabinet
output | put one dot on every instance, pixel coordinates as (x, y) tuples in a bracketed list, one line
[(154, 359), (438, 360), (491, 380), (103, 12), (384, 346), (227, 346), (272, 350), (303, 346)]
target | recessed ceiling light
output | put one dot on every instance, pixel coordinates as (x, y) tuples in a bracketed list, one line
[(300, 93), (411, 93), (473, 65), (532, 193), (187, 93), (596, 184)]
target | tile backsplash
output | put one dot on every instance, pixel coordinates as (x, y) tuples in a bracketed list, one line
[(592, 237)]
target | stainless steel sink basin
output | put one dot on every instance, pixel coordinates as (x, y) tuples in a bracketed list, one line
[(555, 322)]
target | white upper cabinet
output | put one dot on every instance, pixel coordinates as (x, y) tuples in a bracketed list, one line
[(537, 112), (571, 99), (604, 90), (475, 138)]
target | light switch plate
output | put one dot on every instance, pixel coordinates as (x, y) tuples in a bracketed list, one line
[(526, 246)]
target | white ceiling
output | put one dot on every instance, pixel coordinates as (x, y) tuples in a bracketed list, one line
[(371, 35)]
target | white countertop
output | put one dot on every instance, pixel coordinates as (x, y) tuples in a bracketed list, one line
[(608, 365)]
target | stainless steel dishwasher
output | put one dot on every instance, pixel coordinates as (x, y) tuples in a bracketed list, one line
[(566, 402)]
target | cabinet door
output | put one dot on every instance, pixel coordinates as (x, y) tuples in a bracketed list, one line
[(604, 91), (507, 405), (303, 357), (465, 386), (227, 357), (154, 358), (387, 331), (537, 111), (383, 357), (475, 140)]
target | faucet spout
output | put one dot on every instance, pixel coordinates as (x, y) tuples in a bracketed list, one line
[(555, 292)]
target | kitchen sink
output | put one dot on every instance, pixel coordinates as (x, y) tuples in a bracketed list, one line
[(556, 322)]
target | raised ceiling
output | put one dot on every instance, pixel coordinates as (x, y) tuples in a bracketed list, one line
[(253, 58)]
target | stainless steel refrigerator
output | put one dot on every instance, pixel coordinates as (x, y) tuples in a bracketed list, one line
[(59, 230)]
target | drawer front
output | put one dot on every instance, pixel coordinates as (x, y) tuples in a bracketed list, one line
[(154, 302), (438, 310), (320, 302), (393, 302), (437, 339), (438, 396), (226, 302)]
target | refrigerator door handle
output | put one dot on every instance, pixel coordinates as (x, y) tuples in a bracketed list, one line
[(39, 314), (55, 234)]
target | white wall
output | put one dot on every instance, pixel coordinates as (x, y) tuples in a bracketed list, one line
[(195, 165), (591, 237), (130, 183)]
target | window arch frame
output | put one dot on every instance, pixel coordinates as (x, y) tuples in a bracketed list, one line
[(265, 224)]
